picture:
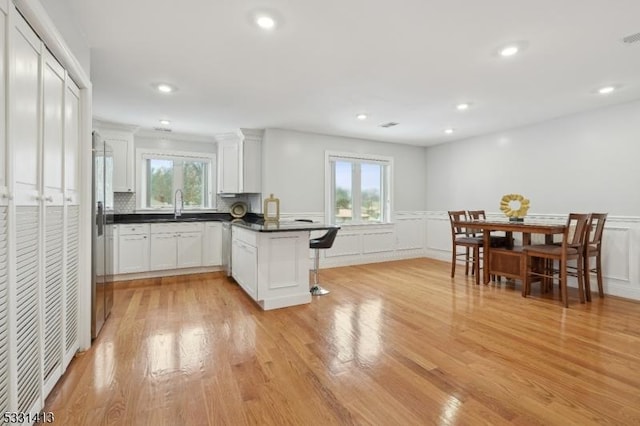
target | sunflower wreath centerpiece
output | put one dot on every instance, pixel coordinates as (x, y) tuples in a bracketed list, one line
[(514, 206)]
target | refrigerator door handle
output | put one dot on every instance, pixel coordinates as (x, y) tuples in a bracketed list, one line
[(100, 219)]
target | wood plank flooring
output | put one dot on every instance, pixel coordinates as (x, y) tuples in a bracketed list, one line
[(397, 343)]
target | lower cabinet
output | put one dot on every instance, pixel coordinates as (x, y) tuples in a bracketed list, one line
[(165, 246), (189, 249), (272, 267), (245, 267), (133, 248)]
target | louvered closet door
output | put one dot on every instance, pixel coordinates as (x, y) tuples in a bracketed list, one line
[(71, 283), (27, 306), (4, 308), (53, 293), (24, 139)]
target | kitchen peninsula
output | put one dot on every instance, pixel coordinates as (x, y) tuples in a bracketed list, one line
[(270, 261)]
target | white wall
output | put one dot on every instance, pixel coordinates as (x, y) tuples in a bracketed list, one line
[(584, 162), (293, 169), (73, 34), (580, 163)]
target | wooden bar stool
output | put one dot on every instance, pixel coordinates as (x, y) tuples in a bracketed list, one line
[(593, 248)]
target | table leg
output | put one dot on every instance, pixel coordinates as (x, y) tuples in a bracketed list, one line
[(486, 256)]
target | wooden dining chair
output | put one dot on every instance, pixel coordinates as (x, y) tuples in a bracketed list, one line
[(573, 242), (593, 248), (462, 237), (496, 240)]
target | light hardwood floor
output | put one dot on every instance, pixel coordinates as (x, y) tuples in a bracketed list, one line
[(395, 343)]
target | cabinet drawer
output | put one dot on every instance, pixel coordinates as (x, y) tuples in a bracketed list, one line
[(244, 235), (133, 229), (176, 227)]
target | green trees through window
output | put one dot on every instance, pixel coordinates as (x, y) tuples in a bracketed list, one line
[(166, 175)]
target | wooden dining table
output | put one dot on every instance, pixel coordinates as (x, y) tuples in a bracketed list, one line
[(509, 261)]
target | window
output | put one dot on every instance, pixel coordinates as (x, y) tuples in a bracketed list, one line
[(358, 189), (162, 174)]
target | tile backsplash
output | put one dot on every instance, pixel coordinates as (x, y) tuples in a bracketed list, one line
[(125, 202)]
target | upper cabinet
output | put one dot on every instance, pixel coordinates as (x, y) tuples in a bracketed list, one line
[(121, 143), (3, 91), (239, 162)]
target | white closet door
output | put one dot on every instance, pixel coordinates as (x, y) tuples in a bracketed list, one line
[(4, 311), (3, 92), (53, 293), (71, 282), (27, 306), (71, 137), (25, 112), (53, 92)]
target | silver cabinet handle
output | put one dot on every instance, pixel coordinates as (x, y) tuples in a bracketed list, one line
[(49, 199), (7, 196), (69, 199)]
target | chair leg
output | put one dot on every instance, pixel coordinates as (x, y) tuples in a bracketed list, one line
[(453, 262), (476, 263), (316, 290), (599, 275), (581, 281), (587, 278), (466, 261), (563, 284), (526, 283)]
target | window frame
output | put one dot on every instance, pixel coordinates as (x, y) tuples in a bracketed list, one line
[(355, 158), (142, 155)]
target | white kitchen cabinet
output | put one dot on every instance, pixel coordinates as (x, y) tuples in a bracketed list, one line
[(71, 140), (121, 143), (245, 266), (189, 253), (212, 244), (272, 267), (175, 245), (239, 162), (133, 248), (162, 251)]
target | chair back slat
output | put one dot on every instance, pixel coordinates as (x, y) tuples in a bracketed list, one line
[(577, 229), (455, 216), (595, 228), (476, 215)]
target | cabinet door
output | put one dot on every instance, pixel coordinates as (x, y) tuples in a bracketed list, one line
[(122, 146), (163, 251), (251, 165), (71, 138), (53, 126), (3, 92), (212, 244), (189, 249), (53, 288), (25, 116), (245, 267), (4, 311), (228, 167), (133, 252)]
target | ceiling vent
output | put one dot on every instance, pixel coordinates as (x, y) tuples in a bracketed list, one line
[(632, 38), (162, 129), (389, 124)]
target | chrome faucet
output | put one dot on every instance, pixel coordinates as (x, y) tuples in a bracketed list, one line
[(178, 211)]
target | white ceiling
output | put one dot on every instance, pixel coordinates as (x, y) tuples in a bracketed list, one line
[(408, 61)]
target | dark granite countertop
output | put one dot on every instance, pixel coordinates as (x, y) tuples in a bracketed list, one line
[(283, 226), (185, 217)]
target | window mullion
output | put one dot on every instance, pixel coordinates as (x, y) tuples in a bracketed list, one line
[(356, 190)]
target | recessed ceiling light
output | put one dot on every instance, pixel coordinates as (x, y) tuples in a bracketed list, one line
[(165, 122), (448, 131), (606, 90), (462, 107), (164, 88), (509, 50), (265, 22), (362, 116)]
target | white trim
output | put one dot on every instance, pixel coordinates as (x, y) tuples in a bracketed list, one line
[(387, 190), (141, 174)]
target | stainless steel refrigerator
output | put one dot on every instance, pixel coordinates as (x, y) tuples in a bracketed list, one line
[(102, 241)]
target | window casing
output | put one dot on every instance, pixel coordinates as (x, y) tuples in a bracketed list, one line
[(358, 189), (164, 173)]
